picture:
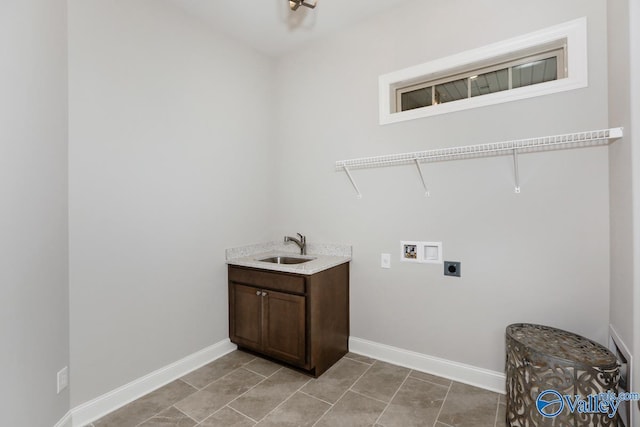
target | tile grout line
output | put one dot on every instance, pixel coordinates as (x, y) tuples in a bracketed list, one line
[(442, 406), (359, 361), (230, 408), (257, 373), (150, 418), (430, 382), (325, 413), (284, 401), (495, 424), (239, 396), (212, 382), (237, 412), (317, 398), (165, 409), (392, 397), (368, 397), (186, 415), (188, 383), (168, 407), (240, 413), (343, 394), (219, 378)]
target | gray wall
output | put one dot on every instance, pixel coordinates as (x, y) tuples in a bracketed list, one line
[(624, 178), (634, 18), (34, 299), (620, 172), (624, 171), (169, 165), (540, 256), (634, 89)]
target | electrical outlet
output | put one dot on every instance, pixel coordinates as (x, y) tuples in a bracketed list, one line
[(452, 268), (385, 260), (63, 379)]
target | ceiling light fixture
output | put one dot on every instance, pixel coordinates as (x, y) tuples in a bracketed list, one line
[(295, 4)]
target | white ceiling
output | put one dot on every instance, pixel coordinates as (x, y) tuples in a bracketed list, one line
[(272, 28)]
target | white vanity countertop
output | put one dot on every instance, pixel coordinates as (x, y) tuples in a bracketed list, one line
[(323, 257)]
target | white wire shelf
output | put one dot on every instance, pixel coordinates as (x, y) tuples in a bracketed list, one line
[(513, 147)]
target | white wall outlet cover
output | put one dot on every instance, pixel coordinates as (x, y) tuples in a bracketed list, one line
[(385, 261), (432, 252)]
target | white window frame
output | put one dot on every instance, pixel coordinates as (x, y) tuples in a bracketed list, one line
[(574, 32), (557, 50)]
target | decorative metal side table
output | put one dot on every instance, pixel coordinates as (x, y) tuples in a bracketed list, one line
[(541, 358)]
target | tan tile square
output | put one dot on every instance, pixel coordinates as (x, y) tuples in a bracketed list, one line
[(468, 406), (352, 410), (417, 403), (300, 410), (381, 381), (147, 406), (262, 367), (208, 400), (171, 417), (331, 385), (227, 417), (261, 400), (210, 372)]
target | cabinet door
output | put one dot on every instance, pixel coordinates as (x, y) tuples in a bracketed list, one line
[(245, 320), (284, 326)]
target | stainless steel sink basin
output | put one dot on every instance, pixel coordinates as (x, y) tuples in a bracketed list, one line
[(285, 260)]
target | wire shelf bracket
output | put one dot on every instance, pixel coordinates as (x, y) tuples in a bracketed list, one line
[(424, 184), (514, 148), (355, 186), (516, 174)]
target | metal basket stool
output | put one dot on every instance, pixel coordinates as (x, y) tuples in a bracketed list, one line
[(541, 358)]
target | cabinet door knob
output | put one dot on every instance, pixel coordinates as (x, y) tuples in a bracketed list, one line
[(258, 293), (264, 294)]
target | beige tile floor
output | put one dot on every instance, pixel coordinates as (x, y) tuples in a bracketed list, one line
[(242, 390)]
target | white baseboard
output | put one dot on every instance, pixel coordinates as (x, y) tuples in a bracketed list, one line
[(479, 377), (65, 421), (616, 341), (108, 402), (617, 344)]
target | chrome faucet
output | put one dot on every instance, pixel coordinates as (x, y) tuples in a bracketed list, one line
[(302, 242)]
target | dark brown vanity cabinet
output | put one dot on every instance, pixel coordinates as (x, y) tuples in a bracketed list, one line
[(299, 319)]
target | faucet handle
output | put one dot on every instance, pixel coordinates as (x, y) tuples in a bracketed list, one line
[(302, 238)]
